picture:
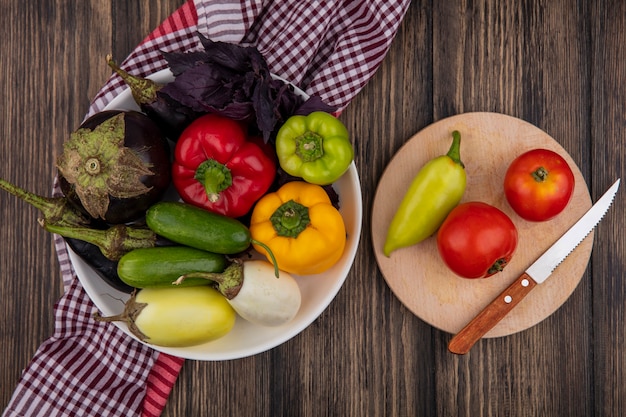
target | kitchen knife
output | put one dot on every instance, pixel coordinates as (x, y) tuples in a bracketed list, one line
[(537, 273)]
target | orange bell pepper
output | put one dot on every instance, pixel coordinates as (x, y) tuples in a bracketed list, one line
[(299, 224)]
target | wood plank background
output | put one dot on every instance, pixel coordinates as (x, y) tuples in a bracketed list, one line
[(559, 64)]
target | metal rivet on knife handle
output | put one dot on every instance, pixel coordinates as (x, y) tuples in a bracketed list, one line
[(491, 315)]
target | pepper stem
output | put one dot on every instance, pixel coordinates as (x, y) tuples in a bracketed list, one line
[(309, 146), (113, 242), (270, 254), (215, 177), (54, 209), (290, 219), (455, 149)]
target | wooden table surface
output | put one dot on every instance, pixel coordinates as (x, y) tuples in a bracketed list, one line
[(560, 65)]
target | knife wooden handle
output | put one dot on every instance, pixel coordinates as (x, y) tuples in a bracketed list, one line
[(491, 315)]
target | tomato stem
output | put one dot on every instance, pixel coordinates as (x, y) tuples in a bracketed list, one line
[(498, 266), (540, 174)]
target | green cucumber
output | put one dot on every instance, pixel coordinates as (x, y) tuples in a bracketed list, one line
[(201, 229), (161, 266)]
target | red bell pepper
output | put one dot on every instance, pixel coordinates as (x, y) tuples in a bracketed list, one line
[(218, 168)]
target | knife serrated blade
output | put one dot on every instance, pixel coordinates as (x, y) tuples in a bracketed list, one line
[(541, 269), (537, 273)]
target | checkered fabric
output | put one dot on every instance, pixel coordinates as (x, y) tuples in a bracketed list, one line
[(329, 48)]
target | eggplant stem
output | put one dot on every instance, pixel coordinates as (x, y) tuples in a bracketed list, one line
[(228, 282), (54, 209), (129, 315), (113, 242), (143, 90), (123, 316)]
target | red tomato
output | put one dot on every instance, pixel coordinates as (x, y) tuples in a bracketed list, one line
[(538, 184), (476, 240)]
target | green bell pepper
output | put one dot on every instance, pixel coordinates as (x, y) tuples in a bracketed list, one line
[(316, 148)]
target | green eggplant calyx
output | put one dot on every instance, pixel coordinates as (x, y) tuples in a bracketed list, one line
[(92, 166), (143, 90), (455, 149), (309, 146), (132, 310), (228, 282), (99, 166), (113, 242), (540, 174), (498, 266), (215, 177)]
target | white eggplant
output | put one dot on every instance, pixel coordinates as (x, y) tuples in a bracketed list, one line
[(255, 293)]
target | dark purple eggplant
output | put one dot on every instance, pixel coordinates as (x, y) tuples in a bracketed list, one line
[(59, 212), (62, 218), (103, 266), (170, 115), (115, 166)]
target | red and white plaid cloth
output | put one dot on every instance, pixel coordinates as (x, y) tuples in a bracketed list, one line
[(329, 48)]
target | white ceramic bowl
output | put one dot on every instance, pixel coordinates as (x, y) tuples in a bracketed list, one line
[(246, 339)]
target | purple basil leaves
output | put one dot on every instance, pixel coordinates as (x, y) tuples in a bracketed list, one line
[(234, 81)]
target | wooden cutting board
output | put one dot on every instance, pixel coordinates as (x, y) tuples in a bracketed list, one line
[(418, 277)]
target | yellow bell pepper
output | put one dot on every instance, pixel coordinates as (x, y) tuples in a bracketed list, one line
[(299, 224)]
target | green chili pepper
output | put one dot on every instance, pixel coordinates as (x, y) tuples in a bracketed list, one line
[(436, 189), (315, 148)]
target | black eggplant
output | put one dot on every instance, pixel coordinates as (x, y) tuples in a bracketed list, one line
[(57, 210), (115, 166), (170, 115), (62, 218), (104, 267)]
